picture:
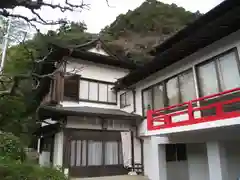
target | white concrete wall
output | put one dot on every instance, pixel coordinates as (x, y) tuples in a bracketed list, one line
[(197, 161), (202, 55), (58, 150), (96, 71), (233, 159)]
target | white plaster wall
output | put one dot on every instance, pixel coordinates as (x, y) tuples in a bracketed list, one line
[(206, 53), (96, 71), (197, 161), (58, 150), (233, 159), (44, 158), (177, 170)]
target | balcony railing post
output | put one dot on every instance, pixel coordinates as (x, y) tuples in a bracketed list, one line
[(219, 109), (150, 119), (190, 111)]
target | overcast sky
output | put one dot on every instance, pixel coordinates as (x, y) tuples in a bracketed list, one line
[(99, 15)]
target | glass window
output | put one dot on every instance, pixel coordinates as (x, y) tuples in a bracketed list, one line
[(111, 94), (83, 89), (228, 71), (111, 153), (172, 91), (95, 153), (125, 99), (187, 88), (176, 152), (147, 101), (72, 155), (93, 91), (158, 96), (103, 92), (208, 79)]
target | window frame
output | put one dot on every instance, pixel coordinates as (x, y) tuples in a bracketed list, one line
[(215, 60), (98, 82), (125, 100), (72, 98), (86, 149), (164, 84), (176, 157)]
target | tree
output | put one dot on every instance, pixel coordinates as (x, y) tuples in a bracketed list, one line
[(34, 5), (19, 30)]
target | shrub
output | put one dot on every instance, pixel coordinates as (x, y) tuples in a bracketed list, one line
[(24, 171), (11, 147)]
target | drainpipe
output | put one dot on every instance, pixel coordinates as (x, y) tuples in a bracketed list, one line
[(134, 100)]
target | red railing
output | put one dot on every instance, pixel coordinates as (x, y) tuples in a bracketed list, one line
[(158, 116)]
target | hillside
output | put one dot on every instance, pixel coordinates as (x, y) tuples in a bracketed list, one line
[(136, 32)]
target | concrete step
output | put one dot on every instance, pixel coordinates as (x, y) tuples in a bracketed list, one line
[(123, 177)]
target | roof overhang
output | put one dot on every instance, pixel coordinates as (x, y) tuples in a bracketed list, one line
[(57, 113), (225, 22)]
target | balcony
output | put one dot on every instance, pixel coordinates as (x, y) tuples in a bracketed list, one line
[(206, 112)]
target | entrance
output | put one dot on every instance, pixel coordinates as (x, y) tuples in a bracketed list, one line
[(93, 153)]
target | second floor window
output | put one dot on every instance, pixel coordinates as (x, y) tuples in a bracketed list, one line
[(175, 90), (71, 88), (125, 100), (97, 91), (220, 74)]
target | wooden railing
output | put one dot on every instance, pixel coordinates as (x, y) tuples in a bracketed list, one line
[(163, 118)]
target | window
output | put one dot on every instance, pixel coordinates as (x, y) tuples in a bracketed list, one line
[(125, 100), (158, 96), (180, 88), (97, 91), (220, 74), (173, 91), (71, 88), (147, 100), (176, 152), (91, 153)]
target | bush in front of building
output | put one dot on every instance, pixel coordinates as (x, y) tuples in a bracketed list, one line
[(13, 170), (15, 166), (11, 147)]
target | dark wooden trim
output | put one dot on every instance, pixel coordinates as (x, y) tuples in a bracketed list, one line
[(99, 102), (134, 100), (142, 154), (132, 150), (96, 81)]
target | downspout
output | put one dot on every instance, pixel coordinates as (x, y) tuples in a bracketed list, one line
[(134, 100), (132, 151), (141, 148)]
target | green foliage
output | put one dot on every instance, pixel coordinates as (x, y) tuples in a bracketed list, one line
[(26, 171), (151, 23), (152, 16), (11, 148)]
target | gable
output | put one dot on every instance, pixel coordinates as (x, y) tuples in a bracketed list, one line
[(98, 51)]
